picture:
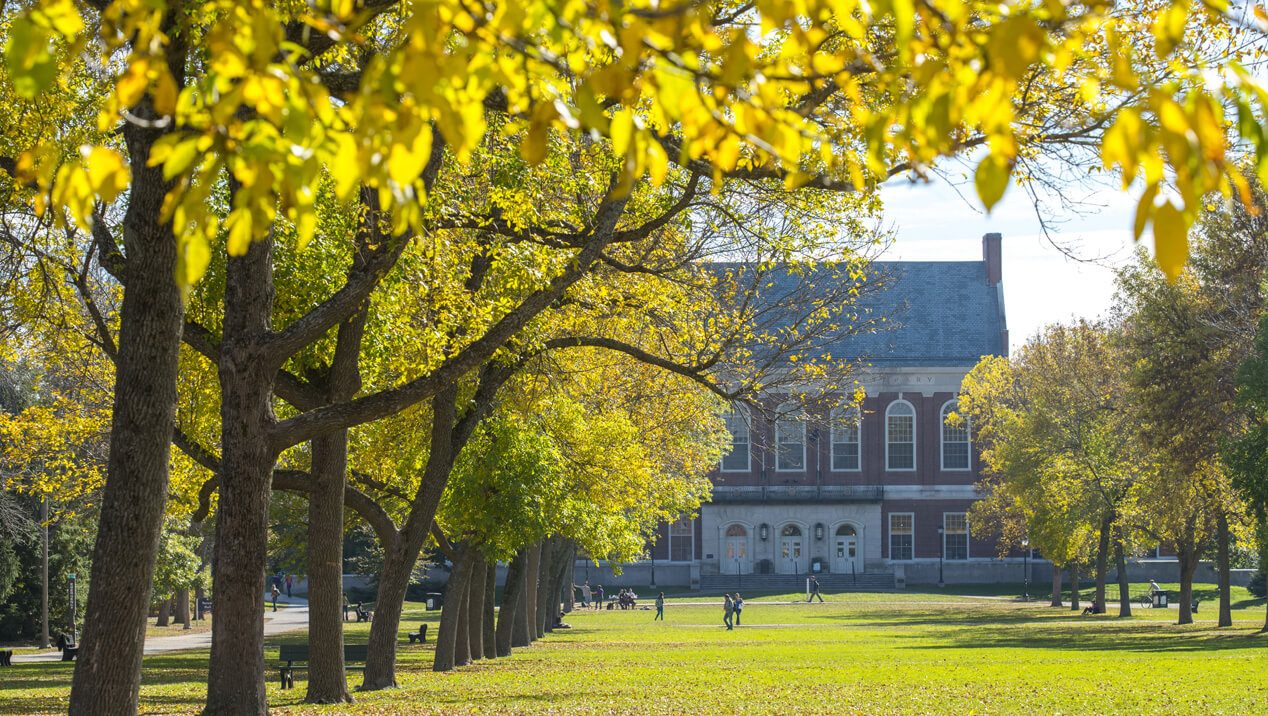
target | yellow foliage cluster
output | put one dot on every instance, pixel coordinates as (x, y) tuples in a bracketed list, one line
[(838, 93)]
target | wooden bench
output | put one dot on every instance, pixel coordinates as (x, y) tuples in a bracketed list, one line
[(6, 656), (420, 636), (296, 658)]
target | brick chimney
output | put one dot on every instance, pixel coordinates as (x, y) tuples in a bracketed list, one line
[(991, 255)]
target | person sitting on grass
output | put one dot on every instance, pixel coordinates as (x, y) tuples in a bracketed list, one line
[(1092, 609)]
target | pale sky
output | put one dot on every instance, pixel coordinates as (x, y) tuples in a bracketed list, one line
[(1042, 285)]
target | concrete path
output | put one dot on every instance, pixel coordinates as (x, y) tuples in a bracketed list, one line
[(291, 615)]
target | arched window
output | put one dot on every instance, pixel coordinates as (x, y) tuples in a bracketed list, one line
[(736, 531), (846, 531), (737, 460), (846, 427), (900, 436), (790, 439), (955, 439), (790, 531)]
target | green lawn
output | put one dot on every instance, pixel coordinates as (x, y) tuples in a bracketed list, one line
[(869, 653)]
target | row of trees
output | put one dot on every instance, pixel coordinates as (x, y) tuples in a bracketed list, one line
[(1104, 440), (289, 232)]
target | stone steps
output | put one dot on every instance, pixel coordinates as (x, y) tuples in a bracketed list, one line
[(866, 582)]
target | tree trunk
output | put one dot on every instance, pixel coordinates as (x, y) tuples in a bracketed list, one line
[(448, 649), (1124, 587), (475, 607), (534, 578), (1188, 558), (182, 607), (108, 668), (1226, 597), (1074, 588), (570, 579), (44, 634), (512, 593), (489, 638), (235, 679), (162, 615), (1056, 587), (462, 631), (545, 570), (521, 634), (400, 558), (327, 678), (563, 562), (380, 665), (1102, 564)]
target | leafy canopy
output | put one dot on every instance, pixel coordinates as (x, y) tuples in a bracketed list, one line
[(832, 93)]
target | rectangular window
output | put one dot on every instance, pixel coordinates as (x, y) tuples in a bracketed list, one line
[(790, 439), (682, 540), (845, 442), (955, 439), (900, 437), (901, 536), (955, 535), (737, 460)]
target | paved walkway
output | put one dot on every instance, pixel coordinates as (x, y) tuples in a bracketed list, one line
[(291, 615)]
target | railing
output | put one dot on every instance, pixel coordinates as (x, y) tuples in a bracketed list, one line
[(798, 493)]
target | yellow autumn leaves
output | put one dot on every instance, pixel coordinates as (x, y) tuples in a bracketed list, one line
[(834, 91)]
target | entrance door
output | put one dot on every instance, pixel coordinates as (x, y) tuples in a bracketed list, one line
[(790, 561), (845, 555), (736, 561)]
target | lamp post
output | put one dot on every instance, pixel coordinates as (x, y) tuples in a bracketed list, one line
[(738, 578), (942, 548), (1025, 560), (653, 553)]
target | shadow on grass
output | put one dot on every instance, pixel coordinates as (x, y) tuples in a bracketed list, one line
[(1057, 631)]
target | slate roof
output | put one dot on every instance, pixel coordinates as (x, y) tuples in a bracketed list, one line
[(943, 313), (936, 314)]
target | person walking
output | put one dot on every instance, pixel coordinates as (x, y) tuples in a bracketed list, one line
[(289, 581), (660, 607), (586, 594), (275, 592), (728, 608), (814, 590), (598, 600), (739, 607)]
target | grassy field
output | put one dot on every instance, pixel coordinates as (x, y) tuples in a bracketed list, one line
[(859, 653)]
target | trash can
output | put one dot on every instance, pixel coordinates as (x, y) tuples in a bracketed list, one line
[(435, 600), (1160, 600)]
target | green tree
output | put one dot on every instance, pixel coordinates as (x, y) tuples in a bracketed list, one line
[(1051, 422), (1247, 454)]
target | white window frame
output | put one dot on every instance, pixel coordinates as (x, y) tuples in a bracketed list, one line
[(782, 416), (946, 531), (739, 413), (835, 417), (968, 438), (890, 535), (914, 437), (690, 537)]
